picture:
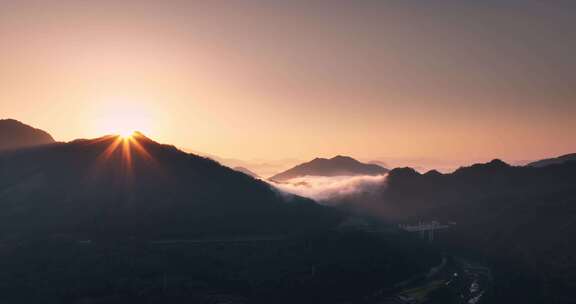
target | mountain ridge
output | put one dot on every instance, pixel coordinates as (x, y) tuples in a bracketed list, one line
[(113, 186), (336, 166), (513, 216), (15, 135), (246, 171), (553, 160)]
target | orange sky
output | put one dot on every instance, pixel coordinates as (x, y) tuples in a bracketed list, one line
[(269, 80)]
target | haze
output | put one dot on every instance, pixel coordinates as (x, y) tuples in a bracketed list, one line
[(459, 80)]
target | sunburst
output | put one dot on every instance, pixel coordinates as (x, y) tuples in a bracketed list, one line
[(126, 134), (126, 145)]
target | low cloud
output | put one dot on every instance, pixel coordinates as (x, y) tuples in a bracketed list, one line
[(324, 189)]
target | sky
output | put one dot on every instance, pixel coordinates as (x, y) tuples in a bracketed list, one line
[(266, 80)]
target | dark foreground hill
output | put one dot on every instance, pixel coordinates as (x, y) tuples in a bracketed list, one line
[(336, 166), (137, 187), (113, 221), (14, 135), (519, 218)]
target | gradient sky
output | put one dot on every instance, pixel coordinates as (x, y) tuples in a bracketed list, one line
[(463, 80)]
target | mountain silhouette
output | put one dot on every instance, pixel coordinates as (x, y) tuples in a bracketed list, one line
[(518, 218), (336, 166), (414, 194), (113, 220), (246, 171), (116, 187), (14, 135), (263, 168), (553, 161)]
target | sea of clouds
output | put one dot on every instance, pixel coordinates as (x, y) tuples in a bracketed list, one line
[(324, 189)]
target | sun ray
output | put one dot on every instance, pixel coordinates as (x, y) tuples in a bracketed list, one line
[(110, 149), (122, 152), (140, 149), (127, 167)]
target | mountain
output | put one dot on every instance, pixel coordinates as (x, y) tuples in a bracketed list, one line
[(553, 161), (434, 194), (379, 163), (336, 166), (116, 187), (515, 218), (14, 135), (246, 171), (262, 168), (113, 220)]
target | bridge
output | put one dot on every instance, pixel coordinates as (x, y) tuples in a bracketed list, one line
[(425, 229)]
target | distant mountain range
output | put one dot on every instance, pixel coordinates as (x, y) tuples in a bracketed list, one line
[(336, 166), (246, 171), (553, 161), (263, 168), (14, 135)]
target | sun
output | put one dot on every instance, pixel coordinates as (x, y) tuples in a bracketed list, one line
[(117, 116), (126, 133)]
